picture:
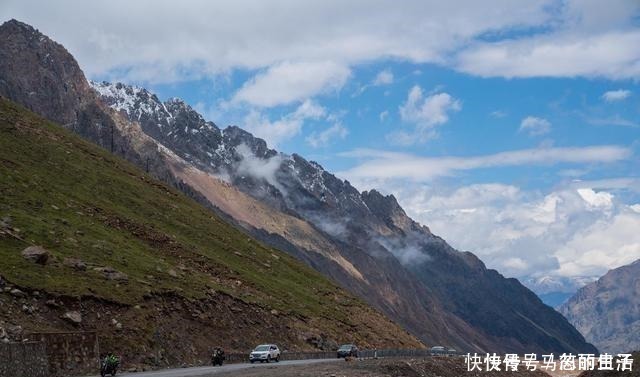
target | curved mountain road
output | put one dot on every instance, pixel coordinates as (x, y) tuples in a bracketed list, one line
[(207, 371)]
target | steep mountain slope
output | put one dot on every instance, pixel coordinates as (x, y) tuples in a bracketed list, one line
[(364, 241), (607, 311), (369, 231), (147, 267)]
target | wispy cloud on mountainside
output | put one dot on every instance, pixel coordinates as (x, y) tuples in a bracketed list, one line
[(253, 166)]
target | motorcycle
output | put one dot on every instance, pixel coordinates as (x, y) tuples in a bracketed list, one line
[(217, 358), (109, 367)]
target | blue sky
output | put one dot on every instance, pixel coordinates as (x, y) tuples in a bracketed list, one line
[(489, 118), (511, 128)]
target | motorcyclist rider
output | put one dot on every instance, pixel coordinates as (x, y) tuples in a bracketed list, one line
[(111, 359), (218, 356)]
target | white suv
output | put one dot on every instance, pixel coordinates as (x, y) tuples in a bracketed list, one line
[(265, 353)]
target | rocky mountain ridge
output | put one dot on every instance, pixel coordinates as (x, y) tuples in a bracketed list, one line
[(364, 241), (365, 225), (556, 290), (607, 311)]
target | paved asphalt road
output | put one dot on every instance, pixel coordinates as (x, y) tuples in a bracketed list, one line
[(206, 371)]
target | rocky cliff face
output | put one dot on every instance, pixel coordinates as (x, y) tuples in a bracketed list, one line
[(41, 75), (364, 241), (607, 311)]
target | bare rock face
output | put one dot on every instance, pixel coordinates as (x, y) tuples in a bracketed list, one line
[(36, 254), (607, 312), (44, 75)]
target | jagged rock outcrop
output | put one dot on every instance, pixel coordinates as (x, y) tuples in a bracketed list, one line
[(607, 312)]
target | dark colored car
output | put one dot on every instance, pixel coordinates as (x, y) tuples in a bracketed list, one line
[(347, 350)]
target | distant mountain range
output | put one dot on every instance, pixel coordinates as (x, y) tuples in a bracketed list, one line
[(362, 240), (556, 290), (607, 311)]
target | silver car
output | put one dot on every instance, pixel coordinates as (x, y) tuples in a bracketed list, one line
[(265, 353)]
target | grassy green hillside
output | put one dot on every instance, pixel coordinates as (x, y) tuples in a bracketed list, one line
[(78, 201)]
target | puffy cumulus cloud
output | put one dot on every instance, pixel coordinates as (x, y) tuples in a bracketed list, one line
[(324, 138), (289, 82), (596, 200), (384, 165), (606, 243), (425, 112), (564, 232), (428, 111), (616, 95), (535, 126), (285, 128)]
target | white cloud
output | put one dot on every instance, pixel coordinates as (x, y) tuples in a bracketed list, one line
[(616, 95), (383, 115), (425, 112), (527, 233), (285, 128), (608, 242), (289, 82), (321, 139), (206, 38), (390, 165), (615, 120), (498, 114), (602, 55), (535, 126), (428, 111), (221, 35), (384, 77), (265, 169), (600, 200)]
